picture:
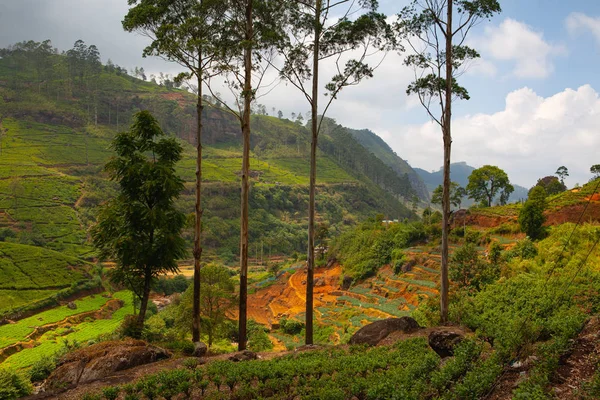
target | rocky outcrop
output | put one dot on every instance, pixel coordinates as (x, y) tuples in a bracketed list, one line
[(101, 360), (375, 332), (245, 355), (200, 349), (443, 342)]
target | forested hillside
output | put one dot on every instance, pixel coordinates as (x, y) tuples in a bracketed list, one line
[(383, 151), (60, 111)]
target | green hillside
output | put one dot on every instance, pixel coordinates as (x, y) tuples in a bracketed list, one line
[(384, 152), (59, 112), (32, 275)]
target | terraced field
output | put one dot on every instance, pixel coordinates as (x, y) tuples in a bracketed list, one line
[(29, 274), (386, 295), (28, 340)]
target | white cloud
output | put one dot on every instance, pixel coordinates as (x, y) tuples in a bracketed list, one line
[(529, 139), (516, 42), (578, 22)]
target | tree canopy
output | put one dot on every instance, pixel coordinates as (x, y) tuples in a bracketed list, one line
[(488, 182), (140, 229)]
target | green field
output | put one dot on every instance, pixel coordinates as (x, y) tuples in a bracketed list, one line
[(13, 333), (52, 341), (30, 273)]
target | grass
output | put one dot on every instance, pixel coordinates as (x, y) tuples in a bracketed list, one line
[(10, 299), (50, 343), (13, 333), (25, 267)]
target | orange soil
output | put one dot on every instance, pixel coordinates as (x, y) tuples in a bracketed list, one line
[(287, 297)]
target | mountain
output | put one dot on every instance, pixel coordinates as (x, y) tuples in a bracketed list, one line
[(459, 173), (384, 152)]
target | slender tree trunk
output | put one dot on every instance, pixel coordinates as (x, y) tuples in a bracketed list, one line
[(247, 93), (446, 187), (313, 178), (198, 221), (144, 304)]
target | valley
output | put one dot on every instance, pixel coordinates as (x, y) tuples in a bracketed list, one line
[(524, 269)]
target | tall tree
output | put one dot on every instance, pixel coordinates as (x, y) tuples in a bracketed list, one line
[(562, 172), (249, 36), (486, 183), (438, 59), (141, 228), (184, 31), (313, 37), (531, 216)]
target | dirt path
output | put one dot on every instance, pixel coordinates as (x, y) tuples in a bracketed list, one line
[(575, 368), (580, 365)]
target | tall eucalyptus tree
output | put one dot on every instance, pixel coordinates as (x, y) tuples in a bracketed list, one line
[(348, 42), (251, 32), (185, 32), (438, 57)]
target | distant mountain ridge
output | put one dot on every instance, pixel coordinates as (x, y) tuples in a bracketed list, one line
[(384, 152), (459, 173)]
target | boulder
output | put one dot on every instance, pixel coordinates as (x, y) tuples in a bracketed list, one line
[(443, 342), (347, 282), (101, 360), (373, 333), (71, 306), (200, 349), (244, 355), (331, 262), (319, 282)]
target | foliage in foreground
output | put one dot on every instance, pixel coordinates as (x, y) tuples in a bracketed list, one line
[(13, 385), (406, 370)]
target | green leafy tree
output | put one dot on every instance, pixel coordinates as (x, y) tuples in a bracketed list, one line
[(439, 56), (216, 298), (531, 216), (141, 228), (562, 172), (595, 169), (469, 270), (315, 37), (486, 183), (551, 184), (185, 32), (457, 193)]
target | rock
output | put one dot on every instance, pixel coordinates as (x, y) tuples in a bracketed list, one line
[(71, 306), (373, 333), (443, 342), (347, 282), (101, 360), (408, 266), (319, 282), (331, 262), (244, 355), (200, 349)]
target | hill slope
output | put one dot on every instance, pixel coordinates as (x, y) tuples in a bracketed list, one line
[(384, 152), (59, 112)]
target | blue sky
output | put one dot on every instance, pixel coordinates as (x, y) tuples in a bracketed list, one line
[(534, 94)]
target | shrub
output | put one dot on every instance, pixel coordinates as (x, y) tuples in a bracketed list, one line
[(6, 233), (291, 326), (13, 385), (111, 393), (41, 369)]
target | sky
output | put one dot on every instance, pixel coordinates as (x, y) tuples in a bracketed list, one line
[(534, 103)]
